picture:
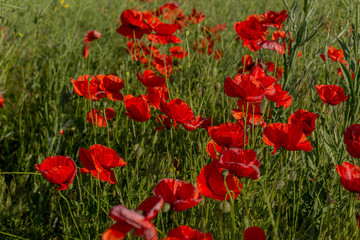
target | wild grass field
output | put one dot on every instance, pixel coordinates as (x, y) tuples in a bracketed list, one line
[(294, 193)]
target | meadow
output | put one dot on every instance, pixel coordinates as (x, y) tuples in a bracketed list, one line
[(57, 81)]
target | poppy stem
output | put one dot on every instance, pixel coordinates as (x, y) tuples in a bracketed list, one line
[(72, 216)]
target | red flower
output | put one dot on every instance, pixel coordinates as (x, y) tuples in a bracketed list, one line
[(187, 233), (163, 64), (210, 183), (86, 51), (254, 233), (272, 45), (244, 86), (2, 101), (280, 97), (164, 34), (274, 19), (287, 136), (229, 135), (156, 95), (137, 108), (352, 140), (196, 17), (178, 110), (241, 163), (178, 52), (271, 68), (58, 170), (150, 79), (90, 36), (247, 64), (336, 55), (349, 176), (305, 120), (112, 85), (214, 149), (331, 94), (88, 86), (140, 219), (164, 122), (139, 51), (179, 194), (96, 117), (252, 111), (133, 24), (99, 160)]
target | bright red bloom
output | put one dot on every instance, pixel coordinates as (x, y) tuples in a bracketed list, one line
[(187, 233), (140, 219), (99, 160), (272, 45), (349, 176), (133, 24), (274, 19), (96, 117), (90, 36), (241, 163), (139, 51), (331, 94), (112, 85), (246, 64), (178, 110), (86, 51), (164, 122), (244, 86), (214, 149), (287, 136), (2, 101), (210, 183), (137, 108), (156, 95), (163, 64), (251, 31), (271, 68), (352, 140), (278, 34), (150, 79), (305, 120), (252, 111), (178, 52), (58, 170), (254, 233), (229, 134), (164, 34), (336, 55), (280, 97), (196, 17), (198, 122), (179, 194), (88, 86)]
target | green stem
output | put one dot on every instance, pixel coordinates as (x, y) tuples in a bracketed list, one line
[(72, 216), (20, 173)]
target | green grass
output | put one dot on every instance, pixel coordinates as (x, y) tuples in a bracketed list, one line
[(42, 51)]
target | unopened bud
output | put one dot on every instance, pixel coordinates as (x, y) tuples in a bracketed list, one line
[(217, 86), (166, 207), (225, 207), (225, 172)]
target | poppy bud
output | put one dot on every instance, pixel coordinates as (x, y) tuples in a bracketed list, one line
[(225, 207), (187, 33), (176, 62), (166, 207), (225, 172), (217, 86)]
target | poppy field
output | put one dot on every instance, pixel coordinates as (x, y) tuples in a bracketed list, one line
[(154, 119)]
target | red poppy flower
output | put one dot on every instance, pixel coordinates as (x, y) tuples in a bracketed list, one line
[(278, 34), (86, 51), (210, 183), (96, 117), (205, 45), (305, 120), (178, 110), (187, 233), (164, 34), (349, 176), (178, 52), (254, 233), (280, 97), (229, 134), (251, 31), (164, 122), (272, 45), (99, 160), (2, 101), (274, 19), (58, 170), (244, 86), (287, 136), (163, 64), (322, 57), (241, 163), (336, 55), (133, 24), (156, 95), (214, 149), (150, 79), (140, 219), (90, 36), (196, 17), (271, 68), (140, 51), (331, 94), (252, 111), (352, 140), (88, 86), (112, 85), (137, 108), (179, 194), (198, 122), (246, 64)]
